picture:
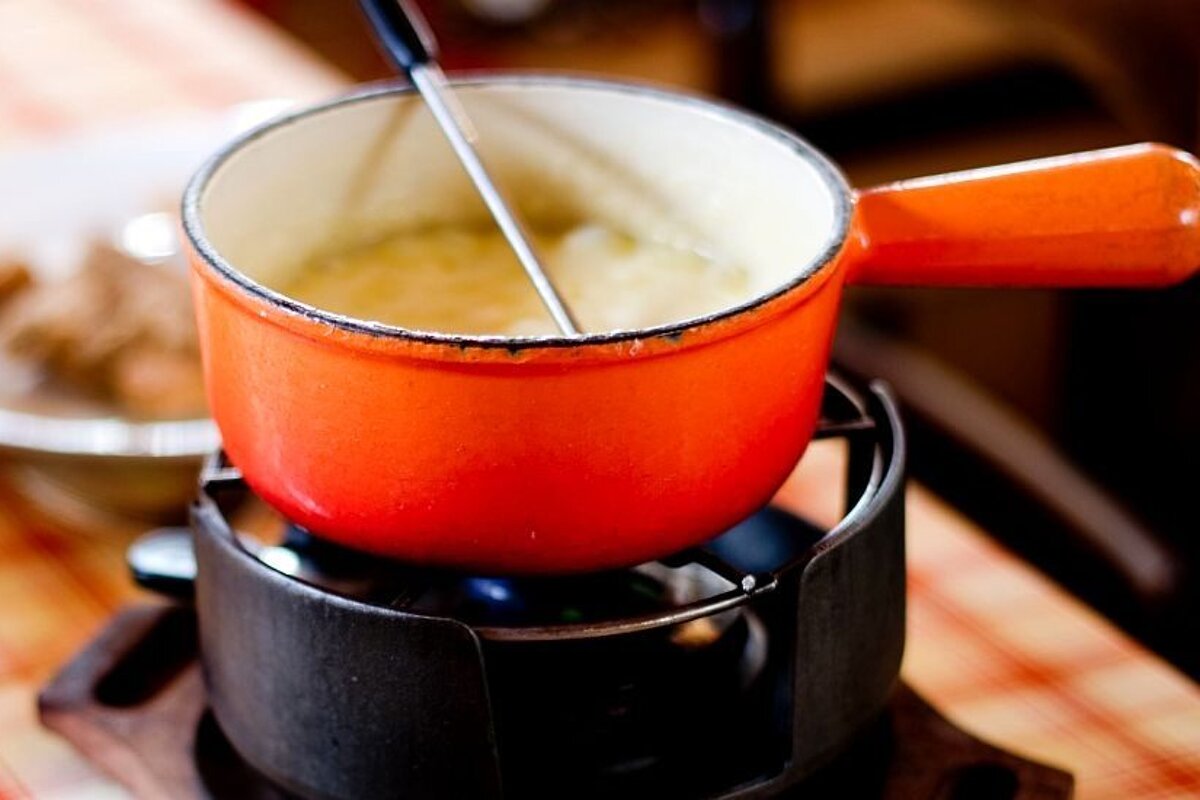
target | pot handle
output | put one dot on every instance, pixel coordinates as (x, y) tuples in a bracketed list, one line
[(1128, 216)]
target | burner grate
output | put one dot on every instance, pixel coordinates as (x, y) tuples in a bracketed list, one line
[(603, 705), (734, 568)]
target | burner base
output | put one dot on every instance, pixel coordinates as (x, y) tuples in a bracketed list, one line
[(133, 702)]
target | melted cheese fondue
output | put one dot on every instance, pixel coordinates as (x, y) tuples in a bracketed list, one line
[(463, 280)]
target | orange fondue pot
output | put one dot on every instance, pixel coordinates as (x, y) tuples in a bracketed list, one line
[(550, 455)]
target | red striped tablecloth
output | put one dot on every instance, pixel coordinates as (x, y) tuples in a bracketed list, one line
[(994, 645)]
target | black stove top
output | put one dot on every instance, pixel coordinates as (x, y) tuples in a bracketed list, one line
[(764, 664)]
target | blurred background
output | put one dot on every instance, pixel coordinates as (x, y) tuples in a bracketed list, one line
[(1068, 423), (1065, 423)]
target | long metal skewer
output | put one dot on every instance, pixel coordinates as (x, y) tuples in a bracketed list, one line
[(407, 40)]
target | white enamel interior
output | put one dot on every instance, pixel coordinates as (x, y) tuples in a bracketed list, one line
[(650, 164)]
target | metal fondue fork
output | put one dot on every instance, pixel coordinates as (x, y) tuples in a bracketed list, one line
[(406, 38)]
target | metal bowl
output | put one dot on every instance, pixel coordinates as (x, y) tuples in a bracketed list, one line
[(68, 453)]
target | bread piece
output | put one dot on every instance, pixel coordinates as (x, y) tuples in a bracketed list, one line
[(14, 278), (151, 381), (117, 329)]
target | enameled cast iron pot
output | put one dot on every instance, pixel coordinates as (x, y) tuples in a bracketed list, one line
[(556, 455)]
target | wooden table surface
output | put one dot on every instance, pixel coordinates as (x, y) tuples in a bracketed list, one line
[(997, 647)]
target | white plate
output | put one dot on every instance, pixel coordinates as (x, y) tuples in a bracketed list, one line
[(54, 198)]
